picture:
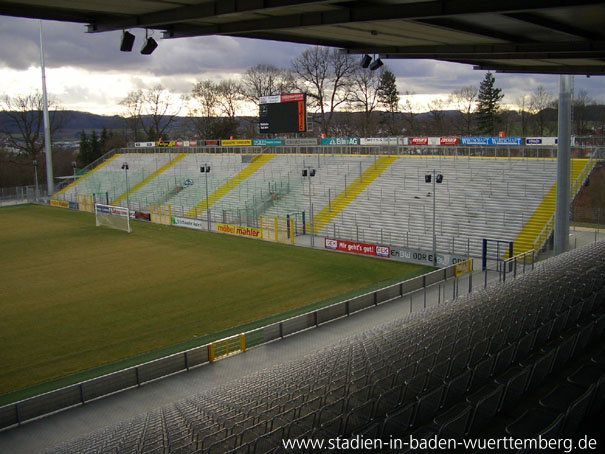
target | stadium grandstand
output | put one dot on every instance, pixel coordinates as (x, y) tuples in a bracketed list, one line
[(358, 193), (521, 359)]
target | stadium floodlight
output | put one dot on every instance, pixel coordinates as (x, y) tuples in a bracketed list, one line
[(435, 178), (149, 46), (377, 63), (125, 169), (309, 172), (365, 61), (127, 41), (205, 169)]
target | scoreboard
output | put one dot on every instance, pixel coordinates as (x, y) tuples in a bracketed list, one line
[(283, 113)]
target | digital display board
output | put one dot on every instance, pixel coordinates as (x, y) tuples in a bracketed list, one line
[(283, 113)]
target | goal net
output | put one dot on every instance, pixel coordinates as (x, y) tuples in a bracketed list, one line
[(112, 217)]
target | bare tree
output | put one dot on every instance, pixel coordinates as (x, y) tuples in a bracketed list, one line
[(325, 76), (523, 110), (159, 107), (203, 108), (409, 109), (465, 100), (149, 113), (133, 106), (229, 97), (581, 101), (23, 127), (539, 101), (364, 95), (266, 80), (438, 120)]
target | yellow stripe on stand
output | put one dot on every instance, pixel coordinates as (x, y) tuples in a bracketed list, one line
[(342, 200), (150, 177), (231, 184), (84, 177)]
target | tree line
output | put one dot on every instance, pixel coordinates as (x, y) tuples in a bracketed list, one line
[(343, 99)]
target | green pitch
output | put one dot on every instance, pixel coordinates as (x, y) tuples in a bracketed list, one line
[(75, 297)]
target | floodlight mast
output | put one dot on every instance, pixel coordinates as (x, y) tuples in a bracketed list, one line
[(47, 145)]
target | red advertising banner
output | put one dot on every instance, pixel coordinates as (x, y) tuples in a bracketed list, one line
[(293, 97), (357, 248), (419, 140), (448, 141)]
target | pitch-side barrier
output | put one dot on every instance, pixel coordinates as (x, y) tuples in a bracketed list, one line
[(17, 413)]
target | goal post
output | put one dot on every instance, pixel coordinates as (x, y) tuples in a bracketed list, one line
[(113, 217)]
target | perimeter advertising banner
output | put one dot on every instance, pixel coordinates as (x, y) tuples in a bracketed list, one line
[(238, 230), (301, 141), (340, 141), (543, 141), (236, 143), (188, 223), (267, 142), (59, 203), (357, 248), (492, 141), (378, 141), (144, 144)]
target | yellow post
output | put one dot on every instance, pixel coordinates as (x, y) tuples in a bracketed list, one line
[(292, 231), (276, 238), (242, 342), (211, 353), (261, 227)]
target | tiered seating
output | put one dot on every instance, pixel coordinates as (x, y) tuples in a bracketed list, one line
[(503, 199), (517, 359)]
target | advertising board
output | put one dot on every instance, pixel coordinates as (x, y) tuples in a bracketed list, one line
[(187, 223), (357, 248), (236, 143), (340, 141), (238, 230)]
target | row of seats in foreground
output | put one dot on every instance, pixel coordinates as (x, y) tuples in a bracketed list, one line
[(519, 359)]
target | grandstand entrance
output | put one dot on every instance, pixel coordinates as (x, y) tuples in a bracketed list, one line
[(495, 252)]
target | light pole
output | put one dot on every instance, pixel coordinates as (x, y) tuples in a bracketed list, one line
[(205, 169), (435, 178), (309, 172), (35, 164), (125, 169)]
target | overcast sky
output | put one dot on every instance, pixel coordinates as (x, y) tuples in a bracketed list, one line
[(88, 72)]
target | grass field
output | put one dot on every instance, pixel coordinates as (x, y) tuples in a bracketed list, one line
[(75, 297)]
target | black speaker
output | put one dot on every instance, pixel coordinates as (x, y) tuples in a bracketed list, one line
[(439, 178), (304, 172), (127, 41), (376, 64), (365, 61), (149, 46), (427, 178), (312, 172)]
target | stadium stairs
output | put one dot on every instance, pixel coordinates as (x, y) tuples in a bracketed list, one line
[(257, 162), (539, 227), (347, 196), (148, 179), (521, 359)]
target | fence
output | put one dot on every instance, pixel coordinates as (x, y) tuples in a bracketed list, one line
[(80, 393), (21, 194)]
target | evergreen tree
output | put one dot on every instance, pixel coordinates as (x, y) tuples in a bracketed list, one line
[(95, 146), (84, 155), (388, 96), (488, 104)]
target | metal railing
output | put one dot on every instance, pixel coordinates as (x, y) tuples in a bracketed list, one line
[(17, 413), (512, 265)]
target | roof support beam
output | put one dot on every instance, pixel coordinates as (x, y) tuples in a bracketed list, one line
[(345, 13), (217, 8), (554, 25), (566, 50)]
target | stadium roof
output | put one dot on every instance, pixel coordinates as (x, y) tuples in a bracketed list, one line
[(521, 36)]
